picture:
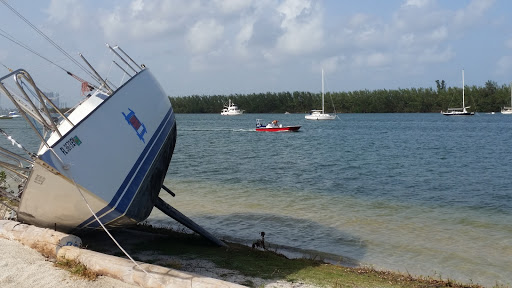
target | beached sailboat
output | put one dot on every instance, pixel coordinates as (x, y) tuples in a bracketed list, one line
[(320, 114), (508, 110), (459, 111), (112, 150), (100, 165)]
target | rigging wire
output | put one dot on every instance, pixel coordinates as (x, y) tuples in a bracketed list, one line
[(66, 167), (22, 45), (10, 70), (7, 36), (12, 39), (15, 143)]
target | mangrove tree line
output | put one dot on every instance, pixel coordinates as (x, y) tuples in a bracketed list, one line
[(489, 98)]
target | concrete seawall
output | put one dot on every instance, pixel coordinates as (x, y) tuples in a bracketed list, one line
[(59, 245)]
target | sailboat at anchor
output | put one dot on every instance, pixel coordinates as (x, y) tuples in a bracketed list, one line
[(508, 110), (320, 114), (459, 111)]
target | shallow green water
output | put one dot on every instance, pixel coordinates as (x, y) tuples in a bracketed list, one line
[(420, 193)]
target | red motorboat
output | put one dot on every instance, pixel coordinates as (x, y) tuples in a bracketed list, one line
[(274, 126)]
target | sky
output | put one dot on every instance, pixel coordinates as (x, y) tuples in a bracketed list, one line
[(222, 47)]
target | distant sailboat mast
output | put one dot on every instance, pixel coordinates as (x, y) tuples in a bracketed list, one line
[(463, 107), (505, 109), (323, 91), (320, 114), (459, 111)]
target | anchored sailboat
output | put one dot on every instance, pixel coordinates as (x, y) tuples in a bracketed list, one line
[(459, 111), (508, 110), (320, 114)]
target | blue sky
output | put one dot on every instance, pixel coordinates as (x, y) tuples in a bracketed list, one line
[(251, 46)]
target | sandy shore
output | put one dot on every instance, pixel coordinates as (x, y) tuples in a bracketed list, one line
[(24, 267)]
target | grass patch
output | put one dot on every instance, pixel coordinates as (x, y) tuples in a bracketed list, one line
[(247, 261), (337, 276), (259, 263), (270, 265), (76, 269), (9, 201)]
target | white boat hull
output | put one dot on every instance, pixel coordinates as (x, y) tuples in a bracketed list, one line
[(458, 113), (314, 116), (118, 167), (506, 111), (320, 114), (231, 110), (231, 113)]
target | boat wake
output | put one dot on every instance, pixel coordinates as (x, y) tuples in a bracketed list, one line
[(216, 130)]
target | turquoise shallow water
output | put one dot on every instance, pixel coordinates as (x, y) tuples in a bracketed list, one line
[(420, 193)]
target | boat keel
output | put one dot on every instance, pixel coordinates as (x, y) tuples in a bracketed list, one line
[(187, 222)]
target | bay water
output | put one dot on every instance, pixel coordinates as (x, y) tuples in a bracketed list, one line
[(423, 194)]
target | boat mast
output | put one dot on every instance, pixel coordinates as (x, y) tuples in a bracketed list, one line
[(323, 91), (463, 107)]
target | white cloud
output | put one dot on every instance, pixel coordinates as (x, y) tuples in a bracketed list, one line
[(407, 40), (434, 55), (216, 35), (203, 36), (508, 43), (242, 39), (330, 64), (472, 13), (66, 11), (378, 59), (372, 59), (364, 31), (232, 6), (359, 19), (136, 7), (302, 27), (504, 65), (270, 57), (416, 3), (142, 19), (438, 34)]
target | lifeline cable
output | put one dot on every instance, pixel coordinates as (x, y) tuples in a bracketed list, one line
[(66, 167), (45, 36), (14, 142)]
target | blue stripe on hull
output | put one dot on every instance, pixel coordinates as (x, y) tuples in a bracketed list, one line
[(126, 192)]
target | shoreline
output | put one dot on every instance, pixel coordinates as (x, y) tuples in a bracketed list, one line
[(29, 254), (22, 266)]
